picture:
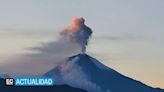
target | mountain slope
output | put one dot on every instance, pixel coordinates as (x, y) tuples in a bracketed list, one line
[(83, 71)]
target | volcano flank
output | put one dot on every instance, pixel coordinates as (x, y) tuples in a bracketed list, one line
[(83, 71)]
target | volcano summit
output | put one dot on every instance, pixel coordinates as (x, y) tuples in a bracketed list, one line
[(85, 72)]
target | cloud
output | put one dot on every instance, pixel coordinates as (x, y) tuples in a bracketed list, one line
[(45, 57), (123, 37), (78, 32), (49, 54)]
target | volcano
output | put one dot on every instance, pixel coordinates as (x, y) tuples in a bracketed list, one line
[(83, 71)]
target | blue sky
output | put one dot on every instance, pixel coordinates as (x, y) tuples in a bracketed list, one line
[(128, 34)]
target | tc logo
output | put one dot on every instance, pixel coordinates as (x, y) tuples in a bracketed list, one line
[(9, 81)]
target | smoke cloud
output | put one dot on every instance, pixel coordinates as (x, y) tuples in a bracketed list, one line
[(72, 41), (78, 32)]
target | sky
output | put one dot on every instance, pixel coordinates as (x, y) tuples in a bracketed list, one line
[(128, 34)]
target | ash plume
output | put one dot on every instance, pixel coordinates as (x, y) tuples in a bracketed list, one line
[(78, 32), (71, 41)]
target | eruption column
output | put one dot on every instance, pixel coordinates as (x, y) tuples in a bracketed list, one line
[(78, 32)]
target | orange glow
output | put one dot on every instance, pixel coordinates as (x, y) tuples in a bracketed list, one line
[(76, 24)]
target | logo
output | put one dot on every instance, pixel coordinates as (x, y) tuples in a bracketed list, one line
[(33, 82), (29, 82), (9, 81)]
